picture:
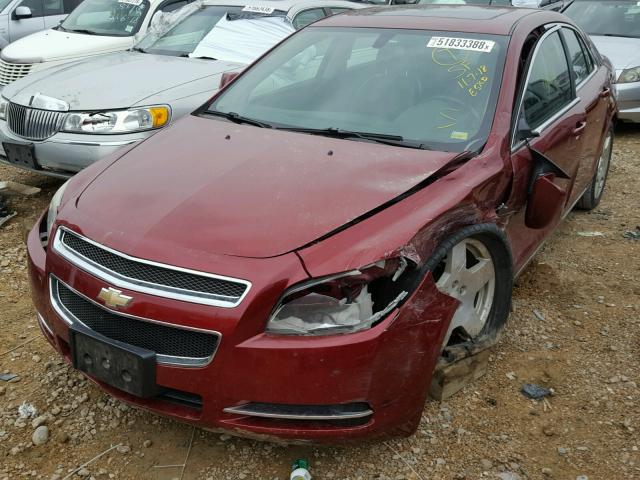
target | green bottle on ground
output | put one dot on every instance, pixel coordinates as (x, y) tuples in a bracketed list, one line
[(300, 470)]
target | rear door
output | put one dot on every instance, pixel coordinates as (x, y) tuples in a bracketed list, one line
[(593, 90), (549, 106)]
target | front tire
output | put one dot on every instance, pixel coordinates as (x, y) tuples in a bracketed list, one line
[(474, 266), (591, 198)]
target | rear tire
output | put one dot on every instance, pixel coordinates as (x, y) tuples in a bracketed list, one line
[(591, 198)]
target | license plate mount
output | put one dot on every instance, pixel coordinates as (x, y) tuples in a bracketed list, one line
[(21, 154), (123, 366)]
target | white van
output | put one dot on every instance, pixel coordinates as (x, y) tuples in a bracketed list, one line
[(92, 28)]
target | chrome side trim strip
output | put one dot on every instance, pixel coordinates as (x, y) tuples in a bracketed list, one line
[(70, 319), (245, 410), (142, 286)]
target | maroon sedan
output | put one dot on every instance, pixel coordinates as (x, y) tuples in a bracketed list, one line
[(294, 258)]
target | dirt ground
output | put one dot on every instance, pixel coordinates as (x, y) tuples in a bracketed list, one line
[(575, 328)]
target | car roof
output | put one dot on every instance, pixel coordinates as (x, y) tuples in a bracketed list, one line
[(286, 5), (462, 18)]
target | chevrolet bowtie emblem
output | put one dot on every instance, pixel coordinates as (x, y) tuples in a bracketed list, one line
[(113, 298)]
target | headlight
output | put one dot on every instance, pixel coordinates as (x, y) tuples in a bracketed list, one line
[(3, 108), (118, 121), (630, 75), (343, 303), (54, 205)]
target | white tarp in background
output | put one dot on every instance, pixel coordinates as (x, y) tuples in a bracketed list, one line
[(243, 40)]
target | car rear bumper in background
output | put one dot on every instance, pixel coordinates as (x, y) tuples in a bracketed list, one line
[(628, 97), (327, 389), (64, 154)]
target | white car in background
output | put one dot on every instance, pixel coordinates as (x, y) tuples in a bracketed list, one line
[(94, 27), (19, 18)]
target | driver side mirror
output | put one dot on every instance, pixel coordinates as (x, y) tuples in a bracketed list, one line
[(22, 12), (545, 202), (226, 78)]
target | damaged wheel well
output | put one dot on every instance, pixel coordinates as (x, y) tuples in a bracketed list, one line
[(496, 242)]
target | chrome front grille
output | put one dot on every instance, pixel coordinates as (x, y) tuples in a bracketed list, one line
[(10, 72), (172, 344), (33, 123), (149, 277)]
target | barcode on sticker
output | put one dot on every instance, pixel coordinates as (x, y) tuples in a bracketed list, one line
[(461, 44), (258, 9)]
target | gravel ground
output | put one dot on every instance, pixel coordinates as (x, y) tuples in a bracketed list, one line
[(574, 328)]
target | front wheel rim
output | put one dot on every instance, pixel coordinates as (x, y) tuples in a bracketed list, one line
[(468, 274), (603, 166)]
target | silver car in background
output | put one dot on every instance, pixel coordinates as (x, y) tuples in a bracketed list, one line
[(61, 120), (614, 27)]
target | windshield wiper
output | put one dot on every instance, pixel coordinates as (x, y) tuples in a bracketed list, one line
[(386, 139), (82, 30), (139, 49), (236, 118)]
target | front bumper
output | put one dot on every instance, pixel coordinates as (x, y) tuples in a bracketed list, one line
[(628, 97), (65, 154), (326, 389)]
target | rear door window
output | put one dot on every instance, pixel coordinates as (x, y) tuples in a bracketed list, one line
[(69, 5), (579, 58), (53, 7), (549, 87)]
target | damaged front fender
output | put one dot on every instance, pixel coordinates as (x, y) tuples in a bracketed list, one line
[(416, 225)]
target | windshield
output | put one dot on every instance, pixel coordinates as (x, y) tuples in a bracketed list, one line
[(435, 89), (120, 18), (222, 33), (613, 18)]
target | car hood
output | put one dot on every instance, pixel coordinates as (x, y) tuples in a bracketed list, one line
[(119, 80), (623, 52), (52, 45), (212, 186)]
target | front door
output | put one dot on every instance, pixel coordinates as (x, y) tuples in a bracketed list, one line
[(19, 27), (557, 118)]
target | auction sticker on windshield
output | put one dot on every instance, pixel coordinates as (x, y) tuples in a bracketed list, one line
[(258, 9), (461, 44)]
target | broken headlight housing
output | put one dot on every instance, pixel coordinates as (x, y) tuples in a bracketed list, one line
[(343, 303), (118, 121)]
